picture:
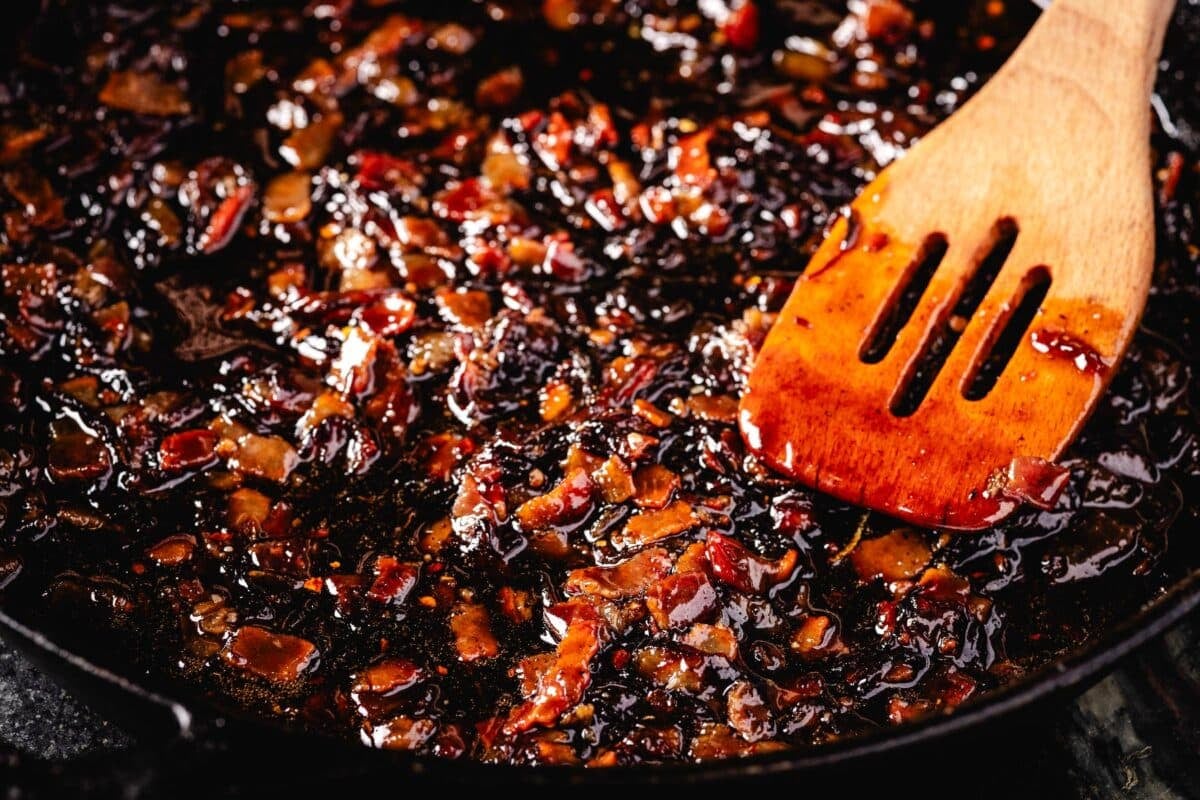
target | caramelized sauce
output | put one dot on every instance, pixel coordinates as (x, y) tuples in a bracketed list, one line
[(377, 371)]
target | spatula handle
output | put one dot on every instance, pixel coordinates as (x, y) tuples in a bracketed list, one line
[(1097, 34)]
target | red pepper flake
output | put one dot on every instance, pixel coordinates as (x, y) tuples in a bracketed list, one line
[(188, 450), (275, 656)]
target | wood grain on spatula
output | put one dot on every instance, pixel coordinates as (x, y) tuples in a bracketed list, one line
[(1042, 182)]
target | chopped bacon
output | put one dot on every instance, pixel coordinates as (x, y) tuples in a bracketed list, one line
[(670, 668), (188, 450), (516, 604), (682, 599), (500, 88), (718, 741), (885, 20), (76, 455), (713, 408), (308, 147), (268, 457), (690, 161), (173, 550), (144, 93), (402, 733), (714, 640), (1035, 481), (276, 657), (472, 631), (655, 485), (394, 579), (554, 143), (630, 578), (469, 308), (389, 676), (223, 223), (287, 198), (562, 684), (567, 502), (649, 527), (939, 586), (554, 400), (378, 171), (816, 637), (747, 713), (741, 26), (614, 479), (733, 564), (248, 510), (390, 315), (352, 371), (896, 556)]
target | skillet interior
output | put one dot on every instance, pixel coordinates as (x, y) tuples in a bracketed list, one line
[(1183, 521)]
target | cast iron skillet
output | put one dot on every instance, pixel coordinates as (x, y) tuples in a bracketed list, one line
[(163, 717), (173, 724)]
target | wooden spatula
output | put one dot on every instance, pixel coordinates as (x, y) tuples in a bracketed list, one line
[(1028, 214)]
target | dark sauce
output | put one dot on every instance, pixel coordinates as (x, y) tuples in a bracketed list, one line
[(378, 372)]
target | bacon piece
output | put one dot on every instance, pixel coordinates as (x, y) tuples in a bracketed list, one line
[(188, 450), (654, 486), (275, 656), (670, 668), (733, 564), (472, 632), (562, 684), (173, 550), (690, 162), (679, 600), (223, 223), (614, 479), (144, 93), (714, 640), (896, 556), (387, 677), (747, 713), (741, 26), (569, 501), (402, 733), (394, 579), (649, 527), (631, 578), (719, 741)]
